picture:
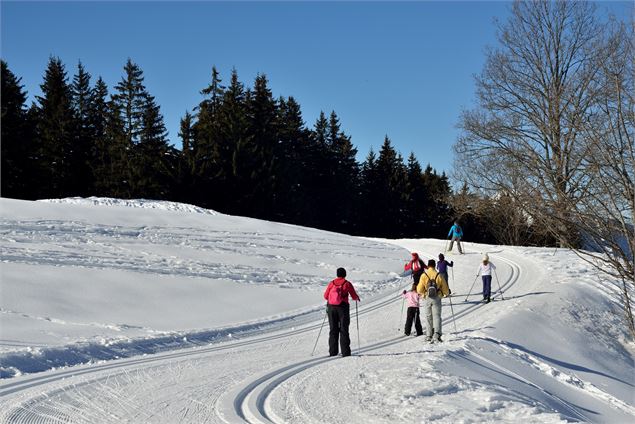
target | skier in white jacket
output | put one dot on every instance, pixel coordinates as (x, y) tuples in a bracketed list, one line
[(485, 269)]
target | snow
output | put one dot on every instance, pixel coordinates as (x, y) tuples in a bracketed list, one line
[(149, 311)]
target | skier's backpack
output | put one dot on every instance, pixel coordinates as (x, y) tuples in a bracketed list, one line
[(433, 289), (337, 295)]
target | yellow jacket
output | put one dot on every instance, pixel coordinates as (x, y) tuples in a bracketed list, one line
[(431, 274)]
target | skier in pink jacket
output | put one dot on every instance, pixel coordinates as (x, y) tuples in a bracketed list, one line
[(413, 310), (337, 309)]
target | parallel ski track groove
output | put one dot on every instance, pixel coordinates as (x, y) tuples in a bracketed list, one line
[(30, 411), (250, 403)]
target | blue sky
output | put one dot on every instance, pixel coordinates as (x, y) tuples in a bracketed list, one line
[(402, 69)]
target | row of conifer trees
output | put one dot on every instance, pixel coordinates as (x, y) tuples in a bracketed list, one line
[(243, 152)]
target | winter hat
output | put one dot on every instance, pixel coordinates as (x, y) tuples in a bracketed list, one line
[(441, 257), (341, 272), (485, 257), (415, 255)]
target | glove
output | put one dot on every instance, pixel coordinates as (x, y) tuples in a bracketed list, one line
[(452, 263), (404, 292)]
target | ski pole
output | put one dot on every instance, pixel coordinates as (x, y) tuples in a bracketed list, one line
[(470, 292), (320, 332), (403, 299), (499, 285), (452, 309), (357, 319)]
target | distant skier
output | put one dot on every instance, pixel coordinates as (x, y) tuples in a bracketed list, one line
[(413, 311), (337, 309), (417, 267), (432, 286), (442, 267), (485, 269), (456, 233)]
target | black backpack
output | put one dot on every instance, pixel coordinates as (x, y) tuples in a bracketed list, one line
[(433, 288)]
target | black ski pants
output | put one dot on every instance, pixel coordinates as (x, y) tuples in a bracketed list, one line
[(413, 315), (339, 321)]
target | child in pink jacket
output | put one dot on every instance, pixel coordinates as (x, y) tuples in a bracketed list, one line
[(413, 310)]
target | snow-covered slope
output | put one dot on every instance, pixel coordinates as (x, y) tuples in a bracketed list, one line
[(215, 319), (92, 279)]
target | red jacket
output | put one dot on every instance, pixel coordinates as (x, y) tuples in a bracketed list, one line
[(347, 289), (413, 264)]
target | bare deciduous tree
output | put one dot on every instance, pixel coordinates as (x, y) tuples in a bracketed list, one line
[(553, 130)]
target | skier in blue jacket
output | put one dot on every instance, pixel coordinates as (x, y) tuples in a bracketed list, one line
[(456, 232)]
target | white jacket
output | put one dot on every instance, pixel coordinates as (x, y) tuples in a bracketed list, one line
[(486, 269)]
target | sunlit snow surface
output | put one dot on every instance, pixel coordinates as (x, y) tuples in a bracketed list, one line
[(215, 318)]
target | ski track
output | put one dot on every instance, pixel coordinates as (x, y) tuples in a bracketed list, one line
[(258, 394), (249, 401), (38, 410), (252, 402)]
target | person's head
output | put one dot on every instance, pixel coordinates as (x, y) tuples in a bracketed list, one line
[(341, 272), (485, 258), (441, 257), (414, 287), (431, 263), (456, 223), (415, 255)]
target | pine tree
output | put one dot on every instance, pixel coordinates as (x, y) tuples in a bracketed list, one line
[(55, 133), (184, 184), (263, 133), (84, 135), (323, 177), (131, 99), (208, 148), (296, 183), (392, 183), (370, 203), (320, 129), (344, 177), (154, 161), (16, 139), (186, 134), (417, 201), (235, 149)]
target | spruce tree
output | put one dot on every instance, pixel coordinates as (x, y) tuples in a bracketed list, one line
[(130, 98), (208, 149), (16, 139), (297, 169), (323, 177), (84, 134), (263, 133), (417, 210), (184, 184), (235, 150), (155, 161), (55, 133), (392, 183), (344, 177), (370, 203)]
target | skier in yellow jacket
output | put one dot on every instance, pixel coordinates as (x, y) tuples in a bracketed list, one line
[(432, 287)]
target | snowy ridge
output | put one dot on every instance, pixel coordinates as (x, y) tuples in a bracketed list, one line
[(133, 203)]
